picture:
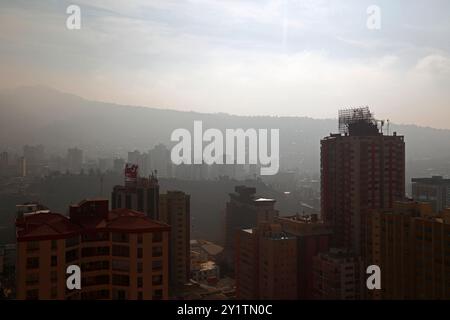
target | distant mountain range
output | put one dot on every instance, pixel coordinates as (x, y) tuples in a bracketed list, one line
[(40, 115)]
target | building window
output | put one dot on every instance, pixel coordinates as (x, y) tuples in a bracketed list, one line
[(72, 242), (157, 294), (95, 280), (91, 237), (54, 292), (121, 265), (54, 261), (120, 280), (32, 279), (139, 282), (32, 294), (139, 239), (157, 236), (139, 267), (95, 295), (157, 265), (139, 253), (95, 266), (119, 295), (120, 237), (32, 246), (157, 280), (71, 255), (120, 251), (95, 251), (54, 244), (53, 276), (140, 295), (157, 251), (33, 263)]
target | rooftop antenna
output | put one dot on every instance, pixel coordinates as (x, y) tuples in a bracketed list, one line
[(381, 126), (387, 126)]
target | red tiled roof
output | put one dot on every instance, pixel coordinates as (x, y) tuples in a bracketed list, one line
[(40, 226), (43, 225), (126, 219)]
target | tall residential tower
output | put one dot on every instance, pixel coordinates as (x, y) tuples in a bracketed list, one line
[(362, 169)]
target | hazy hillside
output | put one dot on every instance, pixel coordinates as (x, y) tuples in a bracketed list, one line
[(32, 115)]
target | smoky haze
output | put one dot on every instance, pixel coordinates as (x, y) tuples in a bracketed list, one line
[(264, 57), (41, 115)]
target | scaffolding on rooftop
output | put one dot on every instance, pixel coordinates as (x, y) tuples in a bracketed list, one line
[(358, 121)]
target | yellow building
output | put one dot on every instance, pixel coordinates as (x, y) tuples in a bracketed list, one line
[(411, 245), (122, 254), (174, 209)]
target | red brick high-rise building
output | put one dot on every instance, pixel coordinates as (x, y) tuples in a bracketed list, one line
[(362, 169)]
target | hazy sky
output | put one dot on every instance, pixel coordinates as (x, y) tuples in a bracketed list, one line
[(278, 57)]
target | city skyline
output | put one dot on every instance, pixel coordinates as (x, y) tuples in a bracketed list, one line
[(244, 151), (265, 252)]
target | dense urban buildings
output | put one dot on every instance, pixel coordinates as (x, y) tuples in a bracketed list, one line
[(435, 190), (277, 263), (207, 272), (172, 208), (275, 259), (140, 194), (364, 220), (205, 259), (244, 211), (23, 167), (212, 149), (7, 271), (361, 169), (411, 244), (363, 199), (313, 237), (266, 263), (33, 159), (74, 160), (156, 160), (160, 160), (338, 275), (122, 253)]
